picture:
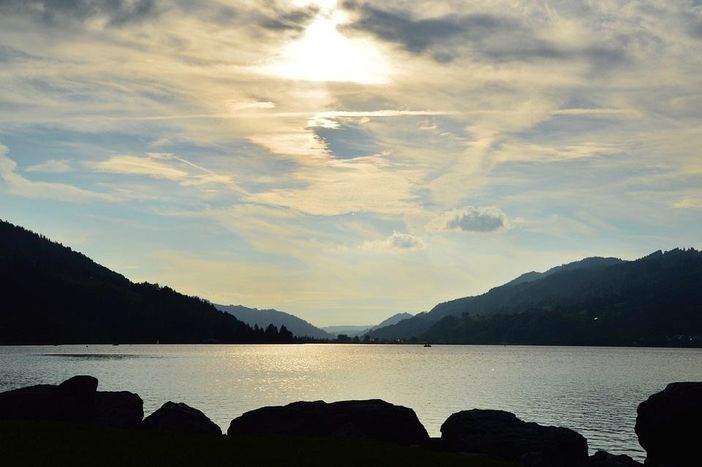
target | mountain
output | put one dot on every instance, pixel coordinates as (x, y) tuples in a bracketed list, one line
[(348, 330), (262, 318), (394, 319), (353, 331), (587, 263), (54, 295), (655, 300)]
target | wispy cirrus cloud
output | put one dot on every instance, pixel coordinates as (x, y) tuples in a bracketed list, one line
[(165, 166), (50, 166), (362, 184), (19, 185), (150, 165)]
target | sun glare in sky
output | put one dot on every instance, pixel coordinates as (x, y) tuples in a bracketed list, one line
[(323, 53)]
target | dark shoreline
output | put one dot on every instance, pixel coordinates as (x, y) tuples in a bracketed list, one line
[(74, 419), (435, 344), (28, 443)]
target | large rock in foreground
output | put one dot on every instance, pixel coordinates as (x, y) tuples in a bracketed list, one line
[(369, 419), (605, 459), (669, 426), (75, 400), (173, 416), (120, 409), (501, 434), (30, 403)]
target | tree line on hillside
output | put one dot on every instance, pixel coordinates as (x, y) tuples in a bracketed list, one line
[(653, 301), (53, 295)]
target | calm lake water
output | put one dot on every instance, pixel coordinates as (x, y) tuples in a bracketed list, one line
[(592, 390)]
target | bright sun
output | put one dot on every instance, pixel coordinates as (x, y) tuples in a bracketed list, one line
[(325, 54)]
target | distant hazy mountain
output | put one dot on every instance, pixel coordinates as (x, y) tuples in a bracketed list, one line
[(360, 330), (348, 330), (655, 300), (53, 295), (262, 318)]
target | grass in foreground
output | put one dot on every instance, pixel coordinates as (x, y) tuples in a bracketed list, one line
[(52, 444)]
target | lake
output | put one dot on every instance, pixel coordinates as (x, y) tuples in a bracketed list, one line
[(593, 390)]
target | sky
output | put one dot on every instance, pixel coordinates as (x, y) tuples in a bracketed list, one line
[(348, 160)]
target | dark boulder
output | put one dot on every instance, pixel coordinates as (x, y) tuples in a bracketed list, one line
[(74, 400), (29, 403), (71, 400), (669, 426), (119, 409), (173, 416), (81, 385), (368, 419), (605, 459), (501, 434)]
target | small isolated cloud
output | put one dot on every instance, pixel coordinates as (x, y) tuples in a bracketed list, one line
[(396, 242), (473, 219), (50, 166)]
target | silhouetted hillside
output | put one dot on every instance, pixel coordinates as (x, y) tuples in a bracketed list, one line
[(262, 318), (656, 300), (394, 319), (53, 295)]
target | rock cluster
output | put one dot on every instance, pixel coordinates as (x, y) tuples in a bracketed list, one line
[(668, 424), (77, 400)]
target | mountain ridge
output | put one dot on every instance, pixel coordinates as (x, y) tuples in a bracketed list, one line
[(659, 296), (263, 317), (54, 295), (359, 330)]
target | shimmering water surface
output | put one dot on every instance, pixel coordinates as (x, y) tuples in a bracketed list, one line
[(593, 390)]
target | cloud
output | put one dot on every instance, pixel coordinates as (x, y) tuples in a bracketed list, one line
[(688, 203), (492, 36), (290, 20), (164, 166), (398, 241), (234, 105), (419, 35), (472, 219), (112, 12), (347, 141), (8, 54), (50, 166), (342, 186), (148, 165), (21, 186)]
